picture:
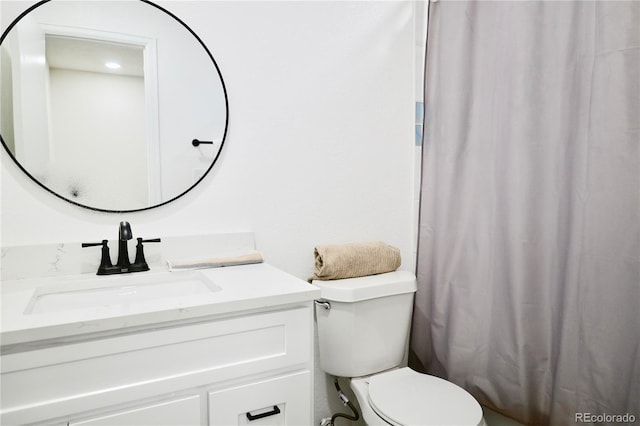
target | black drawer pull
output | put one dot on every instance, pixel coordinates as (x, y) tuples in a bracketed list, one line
[(273, 412)]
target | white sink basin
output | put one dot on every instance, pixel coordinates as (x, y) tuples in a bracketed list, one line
[(118, 290)]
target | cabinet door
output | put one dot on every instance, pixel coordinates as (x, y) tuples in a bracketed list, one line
[(285, 400), (180, 412)]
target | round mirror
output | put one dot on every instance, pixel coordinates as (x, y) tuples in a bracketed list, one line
[(115, 106)]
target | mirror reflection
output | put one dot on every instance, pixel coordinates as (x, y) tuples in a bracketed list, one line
[(101, 101)]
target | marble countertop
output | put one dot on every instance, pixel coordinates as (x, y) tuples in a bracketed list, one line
[(241, 289)]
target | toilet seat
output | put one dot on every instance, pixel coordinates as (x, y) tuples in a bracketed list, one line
[(406, 397)]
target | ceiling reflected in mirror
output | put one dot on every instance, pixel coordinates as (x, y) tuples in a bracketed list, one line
[(93, 56)]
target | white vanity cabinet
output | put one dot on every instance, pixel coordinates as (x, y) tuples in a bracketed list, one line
[(253, 367)]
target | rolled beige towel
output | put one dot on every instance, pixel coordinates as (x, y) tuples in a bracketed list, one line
[(337, 261), (217, 262)]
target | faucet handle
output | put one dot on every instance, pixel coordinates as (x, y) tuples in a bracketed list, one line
[(150, 240), (140, 264), (85, 245), (105, 261)]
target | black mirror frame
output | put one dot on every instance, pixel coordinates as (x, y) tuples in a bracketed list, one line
[(224, 136)]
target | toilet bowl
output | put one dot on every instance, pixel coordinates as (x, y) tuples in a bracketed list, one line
[(363, 329), (406, 397)]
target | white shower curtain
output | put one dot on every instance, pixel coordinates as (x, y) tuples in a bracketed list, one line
[(529, 238)]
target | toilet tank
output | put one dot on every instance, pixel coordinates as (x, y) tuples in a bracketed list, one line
[(367, 326)]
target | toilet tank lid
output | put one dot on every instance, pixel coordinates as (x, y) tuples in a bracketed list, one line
[(368, 287)]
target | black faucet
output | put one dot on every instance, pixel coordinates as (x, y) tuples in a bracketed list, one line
[(123, 265)]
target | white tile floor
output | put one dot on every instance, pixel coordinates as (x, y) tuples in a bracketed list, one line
[(496, 419)]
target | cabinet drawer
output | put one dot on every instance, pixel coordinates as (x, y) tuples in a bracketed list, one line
[(285, 400), (180, 412)]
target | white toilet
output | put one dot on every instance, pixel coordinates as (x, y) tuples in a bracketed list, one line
[(363, 329)]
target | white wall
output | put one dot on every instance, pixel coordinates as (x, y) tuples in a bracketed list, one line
[(320, 146), (26, 45), (98, 130)]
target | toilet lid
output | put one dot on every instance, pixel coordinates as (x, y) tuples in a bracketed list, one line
[(406, 397)]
